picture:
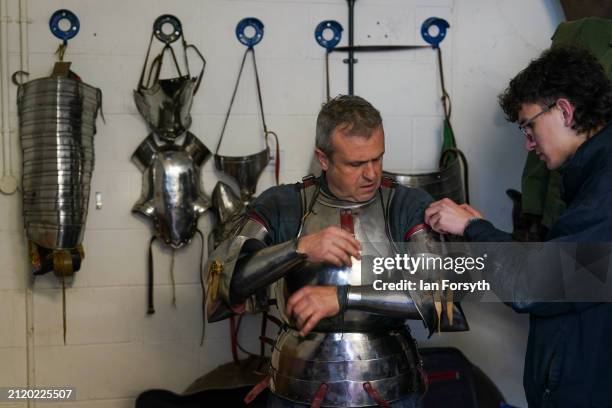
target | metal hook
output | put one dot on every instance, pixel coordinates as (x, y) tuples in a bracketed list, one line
[(441, 24), (332, 25), (255, 24), (56, 30), (14, 77)]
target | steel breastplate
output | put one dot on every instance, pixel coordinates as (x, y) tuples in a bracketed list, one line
[(345, 353), (171, 194), (370, 228), (166, 105)]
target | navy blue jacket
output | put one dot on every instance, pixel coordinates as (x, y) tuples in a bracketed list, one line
[(569, 350)]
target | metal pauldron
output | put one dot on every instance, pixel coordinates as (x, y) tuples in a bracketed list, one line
[(241, 269)]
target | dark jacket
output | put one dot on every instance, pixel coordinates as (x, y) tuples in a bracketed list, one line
[(569, 350)]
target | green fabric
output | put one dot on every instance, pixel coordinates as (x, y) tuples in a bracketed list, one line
[(541, 187), (593, 33), (534, 185)]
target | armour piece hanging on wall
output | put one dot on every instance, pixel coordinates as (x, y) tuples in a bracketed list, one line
[(451, 179), (170, 157), (244, 170), (57, 124)]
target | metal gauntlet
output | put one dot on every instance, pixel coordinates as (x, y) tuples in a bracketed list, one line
[(388, 303)]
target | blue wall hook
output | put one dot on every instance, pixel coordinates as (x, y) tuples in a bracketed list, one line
[(254, 23), (442, 26), (332, 25), (60, 15)]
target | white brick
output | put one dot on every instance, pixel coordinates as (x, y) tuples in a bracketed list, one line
[(11, 219), (107, 261), (427, 140), (13, 370), (12, 318), (120, 191), (169, 323), (398, 143), (118, 370), (15, 269), (113, 322)]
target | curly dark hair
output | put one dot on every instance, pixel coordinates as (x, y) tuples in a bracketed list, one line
[(563, 72)]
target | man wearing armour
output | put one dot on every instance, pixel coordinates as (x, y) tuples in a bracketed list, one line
[(343, 344)]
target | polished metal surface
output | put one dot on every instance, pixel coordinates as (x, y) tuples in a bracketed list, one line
[(226, 202), (370, 230), (57, 126), (171, 194), (228, 208), (245, 170), (166, 105), (448, 182), (388, 360)]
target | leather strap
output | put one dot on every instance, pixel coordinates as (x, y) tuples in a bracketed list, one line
[(319, 396), (375, 395), (257, 389)]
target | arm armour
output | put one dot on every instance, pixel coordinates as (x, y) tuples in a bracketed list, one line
[(389, 303), (243, 266)]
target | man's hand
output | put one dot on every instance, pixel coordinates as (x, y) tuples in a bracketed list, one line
[(447, 217), (332, 245), (311, 304)]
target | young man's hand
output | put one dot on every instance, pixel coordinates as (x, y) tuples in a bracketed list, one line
[(447, 217)]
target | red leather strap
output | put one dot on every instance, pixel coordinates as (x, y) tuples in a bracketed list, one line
[(319, 396), (277, 164), (388, 182), (234, 339), (415, 229), (346, 221), (257, 218), (375, 395), (443, 376), (309, 181), (257, 389)]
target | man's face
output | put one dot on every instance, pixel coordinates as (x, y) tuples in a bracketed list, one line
[(549, 134), (354, 170)]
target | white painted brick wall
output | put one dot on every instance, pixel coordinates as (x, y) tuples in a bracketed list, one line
[(114, 350)]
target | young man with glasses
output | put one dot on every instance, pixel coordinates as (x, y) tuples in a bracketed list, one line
[(562, 103)]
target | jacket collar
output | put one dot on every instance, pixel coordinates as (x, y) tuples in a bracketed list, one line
[(588, 159)]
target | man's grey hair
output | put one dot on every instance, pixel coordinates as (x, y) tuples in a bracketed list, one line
[(349, 114)]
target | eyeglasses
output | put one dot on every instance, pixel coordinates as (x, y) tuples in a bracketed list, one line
[(529, 122)]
